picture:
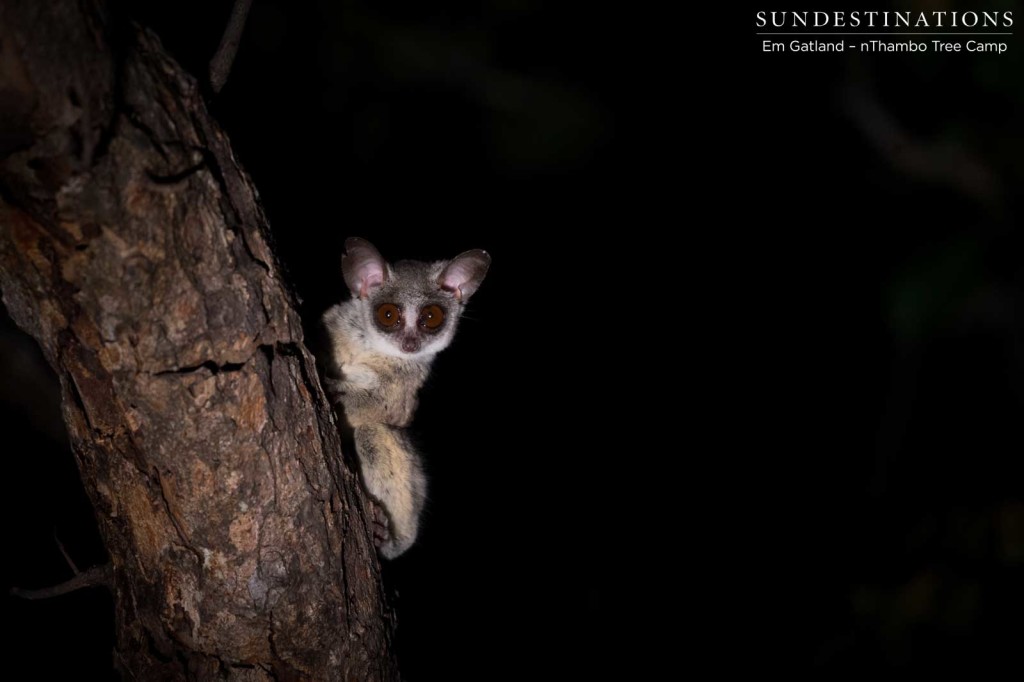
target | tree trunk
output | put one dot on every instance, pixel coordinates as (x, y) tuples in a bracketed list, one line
[(134, 249)]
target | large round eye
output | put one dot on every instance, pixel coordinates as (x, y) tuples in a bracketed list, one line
[(388, 316), (431, 317)]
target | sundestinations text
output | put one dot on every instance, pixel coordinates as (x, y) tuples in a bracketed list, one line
[(884, 19)]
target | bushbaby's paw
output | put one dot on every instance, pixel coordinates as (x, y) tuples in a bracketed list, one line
[(335, 387), (380, 522)]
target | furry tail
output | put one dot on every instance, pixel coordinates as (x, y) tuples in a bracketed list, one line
[(393, 475)]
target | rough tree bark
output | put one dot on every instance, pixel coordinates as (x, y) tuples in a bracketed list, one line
[(134, 249)]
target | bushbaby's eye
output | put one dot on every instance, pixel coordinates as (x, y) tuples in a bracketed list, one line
[(388, 316), (431, 317)]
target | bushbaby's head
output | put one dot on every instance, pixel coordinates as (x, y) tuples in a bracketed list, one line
[(410, 308)]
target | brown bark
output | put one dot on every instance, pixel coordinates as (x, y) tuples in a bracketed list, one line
[(134, 249)]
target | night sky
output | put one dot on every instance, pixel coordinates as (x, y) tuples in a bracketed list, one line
[(748, 366), (882, 524)]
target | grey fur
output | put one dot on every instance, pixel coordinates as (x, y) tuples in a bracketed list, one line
[(376, 377)]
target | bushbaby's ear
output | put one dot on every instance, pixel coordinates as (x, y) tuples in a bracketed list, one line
[(464, 273), (362, 266)]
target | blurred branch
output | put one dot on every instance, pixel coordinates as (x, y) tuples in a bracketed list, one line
[(936, 161), (97, 576), (67, 557), (220, 65)]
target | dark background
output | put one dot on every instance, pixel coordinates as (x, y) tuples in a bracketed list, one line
[(882, 521), (758, 351)]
